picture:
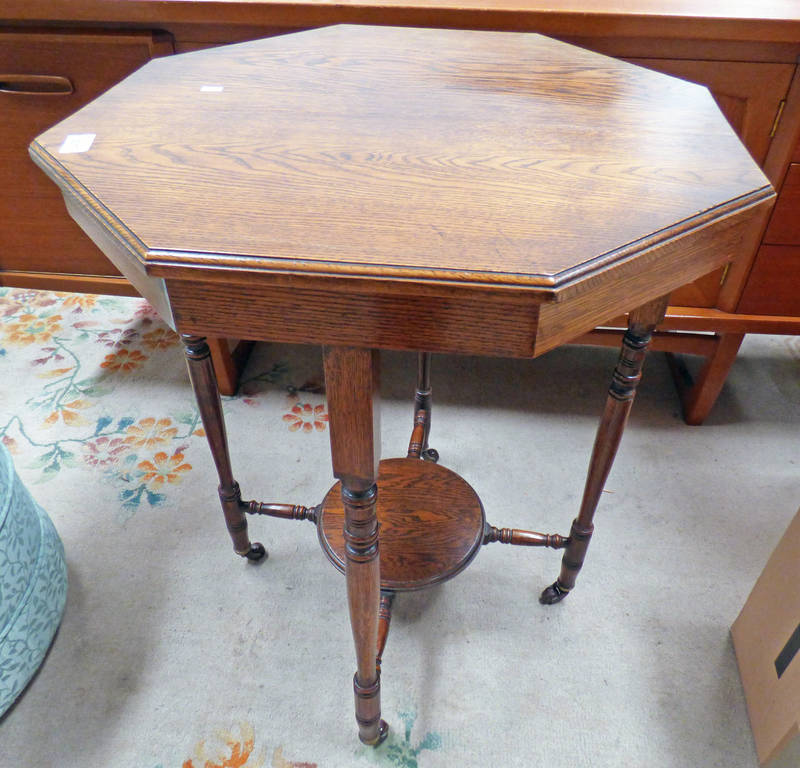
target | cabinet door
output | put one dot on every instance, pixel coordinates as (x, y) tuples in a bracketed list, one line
[(749, 95), (44, 77)]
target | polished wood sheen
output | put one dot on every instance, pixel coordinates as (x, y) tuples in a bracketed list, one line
[(393, 188), (448, 199), (431, 524)]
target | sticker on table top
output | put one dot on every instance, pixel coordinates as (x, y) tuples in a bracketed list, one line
[(77, 142), (211, 88)]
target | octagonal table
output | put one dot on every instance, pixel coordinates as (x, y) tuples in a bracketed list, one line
[(369, 188)]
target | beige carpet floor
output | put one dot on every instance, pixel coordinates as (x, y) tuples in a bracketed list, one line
[(174, 653)]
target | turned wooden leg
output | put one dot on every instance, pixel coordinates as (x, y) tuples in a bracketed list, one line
[(628, 372), (204, 384), (384, 620), (351, 380), (418, 445)]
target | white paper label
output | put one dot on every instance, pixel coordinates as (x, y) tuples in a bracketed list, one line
[(77, 142), (211, 88)]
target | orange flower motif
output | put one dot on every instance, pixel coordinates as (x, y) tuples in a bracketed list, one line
[(163, 469), (55, 373), (239, 749), (125, 360), (79, 301), (304, 416), (149, 433), (68, 413), (160, 338), (31, 329)]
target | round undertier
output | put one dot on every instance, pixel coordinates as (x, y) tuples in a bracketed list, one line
[(431, 524)]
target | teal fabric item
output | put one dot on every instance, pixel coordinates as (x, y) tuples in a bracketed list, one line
[(33, 583)]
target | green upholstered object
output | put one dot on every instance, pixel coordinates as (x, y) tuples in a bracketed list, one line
[(33, 583)]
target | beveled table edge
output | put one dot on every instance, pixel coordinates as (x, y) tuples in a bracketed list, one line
[(168, 263)]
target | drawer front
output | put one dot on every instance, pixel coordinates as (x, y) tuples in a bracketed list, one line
[(43, 78), (784, 224), (773, 287)]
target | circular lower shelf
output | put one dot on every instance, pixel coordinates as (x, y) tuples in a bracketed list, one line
[(431, 524)]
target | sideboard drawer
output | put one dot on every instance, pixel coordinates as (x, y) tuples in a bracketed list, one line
[(773, 287), (784, 224), (45, 76)]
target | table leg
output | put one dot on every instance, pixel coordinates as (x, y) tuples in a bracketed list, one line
[(641, 324), (351, 383), (418, 445), (204, 384)]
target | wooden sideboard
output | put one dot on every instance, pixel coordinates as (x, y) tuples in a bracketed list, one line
[(56, 55)]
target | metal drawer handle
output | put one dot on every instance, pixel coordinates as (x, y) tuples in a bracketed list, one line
[(36, 85)]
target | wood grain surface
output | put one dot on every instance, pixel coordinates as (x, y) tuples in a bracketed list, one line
[(431, 524), (424, 154)]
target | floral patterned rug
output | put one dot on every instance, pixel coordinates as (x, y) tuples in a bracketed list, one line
[(86, 411), (174, 653)]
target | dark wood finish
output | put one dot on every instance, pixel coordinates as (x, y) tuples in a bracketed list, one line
[(641, 324), (418, 444), (431, 522), (417, 440), (384, 620), (774, 284), (524, 538), (437, 215), (423, 400), (784, 224), (283, 511), (201, 374), (351, 386)]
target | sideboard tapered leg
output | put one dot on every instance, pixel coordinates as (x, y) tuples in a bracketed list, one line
[(351, 380), (627, 374), (204, 384)]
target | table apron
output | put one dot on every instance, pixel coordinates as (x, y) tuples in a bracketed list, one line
[(461, 322)]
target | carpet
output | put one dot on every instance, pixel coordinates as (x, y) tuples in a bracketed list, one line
[(173, 652)]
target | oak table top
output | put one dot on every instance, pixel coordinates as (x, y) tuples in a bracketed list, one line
[(452, 163)]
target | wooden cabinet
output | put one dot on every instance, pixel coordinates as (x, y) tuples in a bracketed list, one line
[(773, 287), (45, 76)]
